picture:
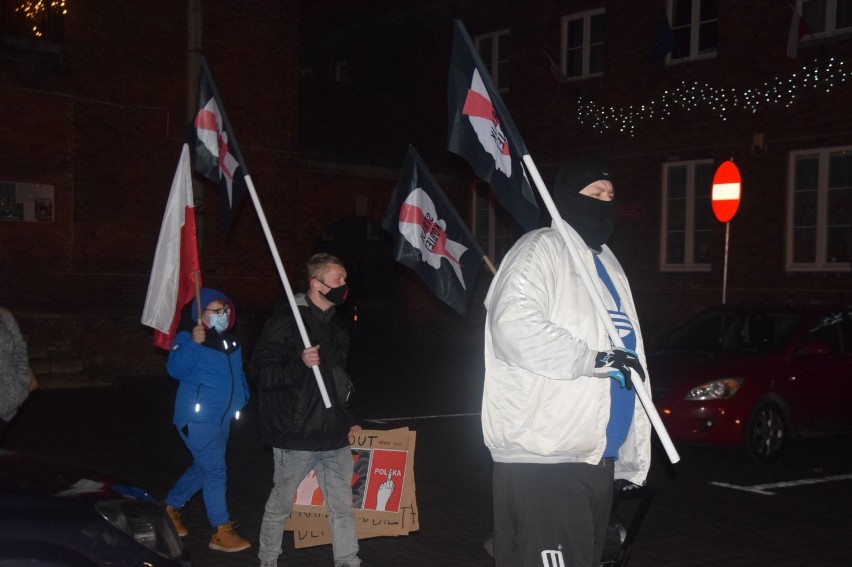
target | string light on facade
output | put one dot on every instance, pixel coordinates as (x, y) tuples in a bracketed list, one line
[(719, 101)]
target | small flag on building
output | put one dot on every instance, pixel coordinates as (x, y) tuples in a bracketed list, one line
[(797, 30), (664, 41)]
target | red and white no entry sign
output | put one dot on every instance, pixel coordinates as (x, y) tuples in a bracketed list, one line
[(727, 187)]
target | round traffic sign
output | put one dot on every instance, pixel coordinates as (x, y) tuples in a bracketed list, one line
[(727, 187)]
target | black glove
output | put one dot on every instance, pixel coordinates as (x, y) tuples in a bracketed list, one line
[(617, 364)]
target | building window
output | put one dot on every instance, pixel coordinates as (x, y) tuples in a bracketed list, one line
[(819, 217), (490, 223), (687, 216), (493, 49), (583, 44), (825, 18), (695, 27)]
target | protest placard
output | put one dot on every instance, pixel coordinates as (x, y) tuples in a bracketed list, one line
[(383, 491)]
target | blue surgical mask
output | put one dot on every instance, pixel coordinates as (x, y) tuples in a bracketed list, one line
[(219, 322)]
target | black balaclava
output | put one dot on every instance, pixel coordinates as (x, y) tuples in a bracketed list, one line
[(593, 219)]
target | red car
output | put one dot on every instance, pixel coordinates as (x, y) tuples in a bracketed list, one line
[(755, 375)]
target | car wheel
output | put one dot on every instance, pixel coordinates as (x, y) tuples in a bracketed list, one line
[(766, 432)]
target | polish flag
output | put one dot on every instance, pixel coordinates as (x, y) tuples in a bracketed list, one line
[(176, 266)]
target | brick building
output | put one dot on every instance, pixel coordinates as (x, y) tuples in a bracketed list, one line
[(325, 97), (95, 99), (664, 92)]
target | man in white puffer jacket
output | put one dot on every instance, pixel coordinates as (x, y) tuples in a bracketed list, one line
[(559, 414)]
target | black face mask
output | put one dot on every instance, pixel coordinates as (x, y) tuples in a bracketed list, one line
[(335, 295), (593, 219)]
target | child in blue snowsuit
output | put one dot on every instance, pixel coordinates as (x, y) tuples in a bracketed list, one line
[(206, 359)]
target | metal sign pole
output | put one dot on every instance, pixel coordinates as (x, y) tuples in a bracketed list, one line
[(725, 267)]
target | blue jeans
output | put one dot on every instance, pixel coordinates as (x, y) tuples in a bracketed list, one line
[(334, 475), (207, 443)]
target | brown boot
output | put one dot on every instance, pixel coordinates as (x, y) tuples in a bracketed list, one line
[(174, 516), (226, 539)]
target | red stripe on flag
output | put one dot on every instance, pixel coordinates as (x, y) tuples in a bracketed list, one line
[(189, 267), (206, 120), (437, 237), (477, 105), (176, 265)]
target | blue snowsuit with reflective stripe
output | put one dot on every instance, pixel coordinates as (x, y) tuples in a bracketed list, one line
[(212, 390)]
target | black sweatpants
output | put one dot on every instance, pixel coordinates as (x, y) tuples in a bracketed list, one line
[(553, 515)]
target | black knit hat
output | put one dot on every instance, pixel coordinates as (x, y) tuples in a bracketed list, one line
[(591, 217), (575, 174)]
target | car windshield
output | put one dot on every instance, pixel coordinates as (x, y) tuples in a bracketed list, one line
[(732, 330)]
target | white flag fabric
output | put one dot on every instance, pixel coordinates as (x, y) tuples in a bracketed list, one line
[(176, 265), (798, 29)]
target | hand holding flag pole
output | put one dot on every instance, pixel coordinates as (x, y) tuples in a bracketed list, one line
[(482, 131), (218, 157)]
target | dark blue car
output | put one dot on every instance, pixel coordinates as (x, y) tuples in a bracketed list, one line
[(54, 515)]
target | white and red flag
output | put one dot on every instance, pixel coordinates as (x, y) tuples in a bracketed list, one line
[(430, 237), (481, 131), (216, 154), (172, 283)]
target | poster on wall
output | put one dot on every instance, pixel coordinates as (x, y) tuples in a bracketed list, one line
[(26, 202), (383, 494)]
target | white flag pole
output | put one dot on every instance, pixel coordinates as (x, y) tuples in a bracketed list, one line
[(563, 228), (287, 288)]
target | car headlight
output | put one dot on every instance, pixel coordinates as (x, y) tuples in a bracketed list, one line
[(721, 389), (145, 522)]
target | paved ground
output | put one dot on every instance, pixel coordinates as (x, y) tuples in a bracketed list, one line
[(125, 430)]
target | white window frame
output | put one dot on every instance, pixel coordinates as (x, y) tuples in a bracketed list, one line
[(831, 29), (694, 27), (821, 263), (494, 63), (587, 25), (689, 264)]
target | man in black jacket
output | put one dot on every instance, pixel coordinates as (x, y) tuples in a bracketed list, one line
[(303, 433)]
